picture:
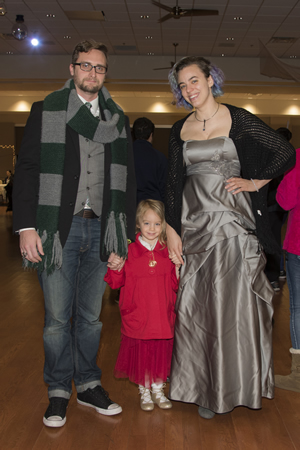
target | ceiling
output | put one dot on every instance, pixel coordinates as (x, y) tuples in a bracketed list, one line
[(126, 33)]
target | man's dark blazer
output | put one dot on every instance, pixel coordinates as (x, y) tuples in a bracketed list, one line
[(26, 181)]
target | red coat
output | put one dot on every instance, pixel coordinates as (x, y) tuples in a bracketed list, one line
[(148, 294)]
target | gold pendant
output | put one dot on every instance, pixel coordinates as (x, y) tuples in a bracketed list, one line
[(152, 263)]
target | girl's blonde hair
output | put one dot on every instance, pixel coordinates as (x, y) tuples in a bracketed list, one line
[(159, 209)]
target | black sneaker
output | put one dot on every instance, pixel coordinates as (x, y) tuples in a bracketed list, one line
[(275, 286), (282, 275), (55, 416), (98, 399)]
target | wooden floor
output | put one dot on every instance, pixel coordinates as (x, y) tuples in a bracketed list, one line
[(23, 394)]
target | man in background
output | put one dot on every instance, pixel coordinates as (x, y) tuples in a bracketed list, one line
[(150, 164)]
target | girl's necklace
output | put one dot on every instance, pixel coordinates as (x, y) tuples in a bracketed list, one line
[(205, 120), (152, 262)]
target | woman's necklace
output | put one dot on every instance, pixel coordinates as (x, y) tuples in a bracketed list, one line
[(205, 120)]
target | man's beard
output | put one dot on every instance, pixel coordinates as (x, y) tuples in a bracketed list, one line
[(91, 88)]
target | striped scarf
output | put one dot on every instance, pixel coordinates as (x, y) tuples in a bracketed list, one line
[(61, 108)]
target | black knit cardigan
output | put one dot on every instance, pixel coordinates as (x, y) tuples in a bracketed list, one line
[(263, 155)]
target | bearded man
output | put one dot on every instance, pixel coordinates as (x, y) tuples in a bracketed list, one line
[(74, 208)]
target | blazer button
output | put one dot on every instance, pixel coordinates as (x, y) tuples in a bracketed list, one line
[(71, 204), (76, 177)]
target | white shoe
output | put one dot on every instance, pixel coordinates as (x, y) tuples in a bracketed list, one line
[(146, 402), (159, 397)]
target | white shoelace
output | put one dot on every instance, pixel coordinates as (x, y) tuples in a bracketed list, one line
[(159, 392), (145, 394)]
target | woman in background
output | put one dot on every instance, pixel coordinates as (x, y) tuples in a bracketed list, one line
[(9, 189), (288, 197)]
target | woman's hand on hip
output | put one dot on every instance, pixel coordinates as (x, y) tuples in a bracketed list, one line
[(235, 185)]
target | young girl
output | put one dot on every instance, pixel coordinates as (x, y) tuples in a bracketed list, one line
[(149, 282)]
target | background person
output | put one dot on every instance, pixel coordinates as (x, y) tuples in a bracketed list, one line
[(150, 164), (288, 196), (74, 194), (9, 180), (277, 217), (218, 155)]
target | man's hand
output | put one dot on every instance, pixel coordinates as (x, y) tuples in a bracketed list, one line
[(115, 262), (31, 246)]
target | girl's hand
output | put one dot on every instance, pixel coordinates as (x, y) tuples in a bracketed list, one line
[(177, 270), (235, 185), (115, 262), (174, 246)]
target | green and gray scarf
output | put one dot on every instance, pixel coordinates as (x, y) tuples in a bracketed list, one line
[(64, 107)]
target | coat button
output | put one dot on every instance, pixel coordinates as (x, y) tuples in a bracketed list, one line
[(76, 177), (71, 204)]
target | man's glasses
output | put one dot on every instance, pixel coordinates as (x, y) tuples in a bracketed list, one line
[(87, 67)]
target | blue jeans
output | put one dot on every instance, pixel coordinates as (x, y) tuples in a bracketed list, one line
[(293, 279), (74, 291)]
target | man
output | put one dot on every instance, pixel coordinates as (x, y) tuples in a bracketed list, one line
[(150, 164), (74, 198), (277, 217)]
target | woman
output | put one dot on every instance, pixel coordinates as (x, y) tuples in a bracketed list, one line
[(223, 335), (288, 196), (9, 189)]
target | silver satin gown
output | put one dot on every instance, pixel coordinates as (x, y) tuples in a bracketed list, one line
[(222, 354)]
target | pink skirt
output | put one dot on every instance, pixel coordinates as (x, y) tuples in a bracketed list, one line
[(144, 361)]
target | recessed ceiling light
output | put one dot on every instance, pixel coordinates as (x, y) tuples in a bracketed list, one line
[(237, 18), (230, 39), (150, 54), (222, 54), (293, 56), (148, 37), (67, 37), (9, 53), (51, 16), (145, 16), (35, 42)]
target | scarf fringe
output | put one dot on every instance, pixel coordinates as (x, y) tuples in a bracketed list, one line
[(52, 252), (115, 238)]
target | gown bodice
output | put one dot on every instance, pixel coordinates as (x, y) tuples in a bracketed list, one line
[(209, 210)]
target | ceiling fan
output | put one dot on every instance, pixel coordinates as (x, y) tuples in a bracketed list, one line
[(176, 12), (175, 44)]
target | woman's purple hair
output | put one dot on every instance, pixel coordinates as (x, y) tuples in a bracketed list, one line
[(206, 68)]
